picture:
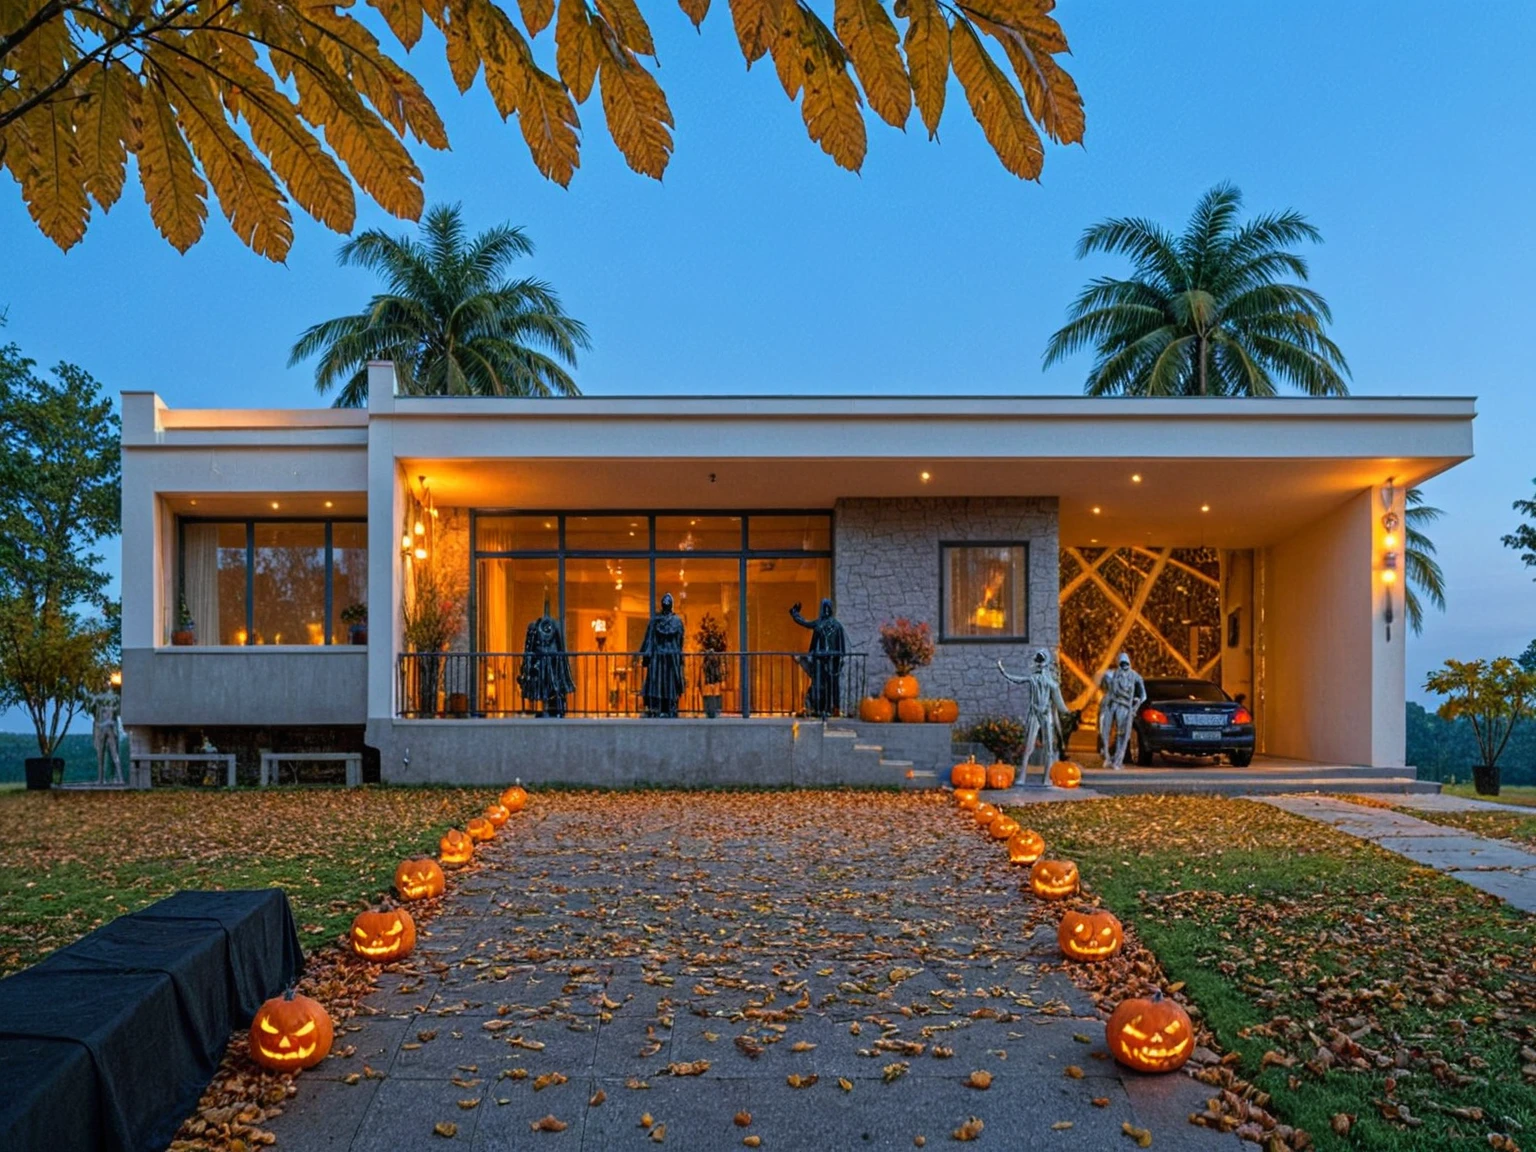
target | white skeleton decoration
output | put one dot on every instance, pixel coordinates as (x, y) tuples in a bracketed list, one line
[(105, 738), (1046, 710), (1124, 692)]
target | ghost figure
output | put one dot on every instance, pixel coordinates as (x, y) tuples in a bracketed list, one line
[(1124, 692), (661, 654), (1042, 723), (105, 738), (824, 662)]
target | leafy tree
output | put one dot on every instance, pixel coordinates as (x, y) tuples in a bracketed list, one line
[(267, 102), (59, 470), (1204, 313), (1523, 538), (1527, 659), (448, 318), (1493, 695), (1419, 564)]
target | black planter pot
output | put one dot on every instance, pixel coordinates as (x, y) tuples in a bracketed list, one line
[(711, 705), (1485, 779), (358, 634), (41, 770)]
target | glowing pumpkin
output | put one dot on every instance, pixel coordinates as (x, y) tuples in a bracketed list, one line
[(1000, 775), (966, 799), (455, 848), (291, 1032), (876, 710), (386, 935), (1150, 1035), (985, 814), (514, 798), (968, 774), (1003, 827), (1065, 774), (497, 814), (418, 878), (1089, 934), (480, 829), (1053, 879), (901, 688), (1025, 846), (943, 711)]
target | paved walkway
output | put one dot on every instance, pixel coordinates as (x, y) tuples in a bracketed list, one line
[(689, 957), (1497, 866)]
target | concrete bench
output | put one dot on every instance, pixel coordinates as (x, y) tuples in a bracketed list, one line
[(139, 766), (353, 761)]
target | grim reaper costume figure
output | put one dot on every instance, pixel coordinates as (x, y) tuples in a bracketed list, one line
[(823, 663), (105, 738), (661, 655), (1046, 710), (1124, 692), (546, 671)]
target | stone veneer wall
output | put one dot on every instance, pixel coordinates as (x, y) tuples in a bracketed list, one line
[(887, 564)]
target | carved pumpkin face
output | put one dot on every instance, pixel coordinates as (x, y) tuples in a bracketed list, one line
[(290, 1032), (455, 848), (966, 799), (480, 829), (1026, 846), (514, 798), (1065, 774), (968, 774), (1003, 827), (1089, 934), (383, 936), (497, 814), (1150, 1035), (1053, 879), (985, 814), (418, 878), (1000, 775)]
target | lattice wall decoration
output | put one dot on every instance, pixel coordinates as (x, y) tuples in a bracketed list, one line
[(1162, 605)]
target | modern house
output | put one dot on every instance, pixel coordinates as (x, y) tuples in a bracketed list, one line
[(1257, 543)]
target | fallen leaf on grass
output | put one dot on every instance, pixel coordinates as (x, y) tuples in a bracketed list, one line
[(659, 1133), (597, 1098), (1100, 1101), (548, 1124), (549, 1079), (743, 1119), (1073, 1072), (796, 1080), (1061, 1125), (968, 1131), (845, 1084), (894, 1071), (468, 1104), (801, 1046), (646, 1120), (446, 1130), (1142, 1136), (979, 1079), (690, 1068), (753, 1141)]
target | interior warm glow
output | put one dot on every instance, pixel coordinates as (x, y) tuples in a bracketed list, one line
[(1389, 576), (1135, 477), (117, 679), (421, 553), (420, 529), (1389, 540), (1205, 507), (274, 505), (330, 504), (925, 476), (1096, 509), (405, 543)]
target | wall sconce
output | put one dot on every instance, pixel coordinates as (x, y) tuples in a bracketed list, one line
[(600, 632), (116, 680), (1389, 526)]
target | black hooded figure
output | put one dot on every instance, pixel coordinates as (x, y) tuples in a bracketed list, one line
[(546, 671), (823, 663), (661, 654)]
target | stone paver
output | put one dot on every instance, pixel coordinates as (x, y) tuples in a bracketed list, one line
[(621, 941), (1496, 866)]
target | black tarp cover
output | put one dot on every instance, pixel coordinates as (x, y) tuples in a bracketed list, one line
[(108, 1043)]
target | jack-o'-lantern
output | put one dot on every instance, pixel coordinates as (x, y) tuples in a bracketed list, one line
[(943, 711), (514, 799), (901, 688), (1000, 775), (1089, 934), (877, 710), (480, 829), (985, 813), (455, 848), (497, 814), (1066, 774), (418, 878), (1053, 879), (910, 711), (1025, 846), (1150, 1035), (967, 800), (1003, 827), (386, 935), (968, 774), (291, 1032)]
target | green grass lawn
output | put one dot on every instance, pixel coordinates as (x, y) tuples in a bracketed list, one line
[(1291, 936), (1508, 794)]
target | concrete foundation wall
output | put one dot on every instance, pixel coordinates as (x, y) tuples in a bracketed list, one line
[(887, 565), (242, 687)]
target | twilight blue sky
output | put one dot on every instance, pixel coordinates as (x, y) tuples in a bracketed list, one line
[(1403, 131)]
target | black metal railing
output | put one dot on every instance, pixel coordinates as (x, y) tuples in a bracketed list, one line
[(490, 684)]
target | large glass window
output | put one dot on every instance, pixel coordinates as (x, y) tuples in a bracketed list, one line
[(271, 582), (984, 591)]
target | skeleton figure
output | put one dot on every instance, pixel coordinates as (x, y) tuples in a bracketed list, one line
[(1047, 709), (1124, 692), (105, 739)]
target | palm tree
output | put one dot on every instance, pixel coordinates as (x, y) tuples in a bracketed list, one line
[(1419, 564), (1204, 313), (448, 318)]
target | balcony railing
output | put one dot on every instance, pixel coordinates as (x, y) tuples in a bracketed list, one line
[(489, 684)]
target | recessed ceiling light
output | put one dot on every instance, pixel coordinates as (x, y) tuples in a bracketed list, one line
[(194, 503), (1205, 507), (1096, 509), (1095, 540), (274, 504), (330, 504), (925, 476), (1135, 477)]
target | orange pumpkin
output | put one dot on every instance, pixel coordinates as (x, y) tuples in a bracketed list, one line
[(1000, 775), (910, 711), (497, 814), (985, 813), (418, 878), (901, 688), (1152, 1035), (1053, 879), (1089, 934), (943, 711), (1003, 828), (289, 1032), (386, 935), (968, 774), (1066, 774), (876, 710), (514, 798), (480, 829), (1026, 846), (455, 848), (966, 799)]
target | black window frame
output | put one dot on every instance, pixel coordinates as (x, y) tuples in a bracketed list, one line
[(944, 637)]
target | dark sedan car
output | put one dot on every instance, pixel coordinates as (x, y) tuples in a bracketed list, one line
[(1188, 717)]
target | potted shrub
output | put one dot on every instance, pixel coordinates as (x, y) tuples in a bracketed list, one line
[(1494, 696), (711, 641), (906, 645), (1003, 736), (355, 617), (184, 635)]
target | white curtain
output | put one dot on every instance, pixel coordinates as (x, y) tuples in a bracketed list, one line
[(200, 580)]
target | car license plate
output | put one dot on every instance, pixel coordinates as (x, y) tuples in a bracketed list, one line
[(1204, 719), (1205, 734)]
